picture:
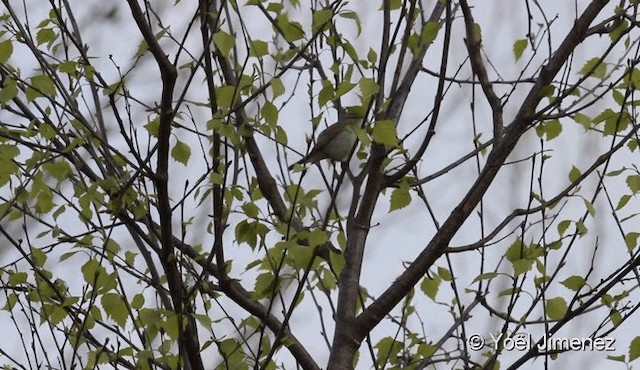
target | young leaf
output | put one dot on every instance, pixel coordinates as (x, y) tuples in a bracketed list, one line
[(6, 49), (429, 286), (574, 282), (224, 42), (556, 308), (594, 68), (384, 132), (634, 349), (400, 198), (518, 48), (574, 174), (181, 152)]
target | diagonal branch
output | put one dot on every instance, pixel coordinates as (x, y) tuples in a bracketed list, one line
[(373, 314), (473, 45)]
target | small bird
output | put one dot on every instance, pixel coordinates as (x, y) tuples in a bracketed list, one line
[(335, 142)]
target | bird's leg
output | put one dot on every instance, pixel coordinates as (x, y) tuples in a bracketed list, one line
[(347, 170)]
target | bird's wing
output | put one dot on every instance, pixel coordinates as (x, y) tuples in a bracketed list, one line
[(327, 135)]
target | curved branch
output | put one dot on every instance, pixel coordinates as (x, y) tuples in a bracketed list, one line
[(373, 314)]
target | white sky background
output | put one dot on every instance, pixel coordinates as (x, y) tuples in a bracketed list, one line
[(400, 236)]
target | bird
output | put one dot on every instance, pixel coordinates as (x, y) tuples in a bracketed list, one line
[(334, 142)]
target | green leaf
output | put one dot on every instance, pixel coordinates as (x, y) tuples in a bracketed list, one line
[(143, 47), (594, 68), (343, 88), (617, 124), (153, 126), (251, 210), (291, 31), (258, 48), (170, 325), (388, 350), (509, 291), (270, 113), (582, 229), (631, 240), (226, 96), (248, 232), (94, 273), (137, 302), (265, 286), (352, 15), (224, 42), (368, 88), (574, 282), (17, 278), (12, 299), (518, 48), (547, 91), (619, 30), (112, 247), (605, 115), (522, 265), (618, 97), (485, 276), (47, 131), (6, 49), (590, 208), (233, 354), (574, 174), (277, 87), (321, 19), (59, 169), (38, 256), (181, 152), (478, 32), (634, 349), (281, 135), (429, 286), (615, 317), (274, 7), (115, 308), (623, 201), (400, 197), (372, 57), (40, 86), (69, 67), (54, 314), (584, 120), (113, 89), (9, 91), (551, 129), (633, 182), (300, 255), (317, 238), (429, 32), (326, 93), (384, 132), (556, 308), (516, 250), (393, 5), (44, 203), (620, 358), (445, 274), (45, 35)]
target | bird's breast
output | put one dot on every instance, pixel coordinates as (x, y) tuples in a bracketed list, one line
[(339, 148)]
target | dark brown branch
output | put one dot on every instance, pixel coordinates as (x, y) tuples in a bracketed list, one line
[(373, 314), (473, 45), (188, 334), (349, 333)]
